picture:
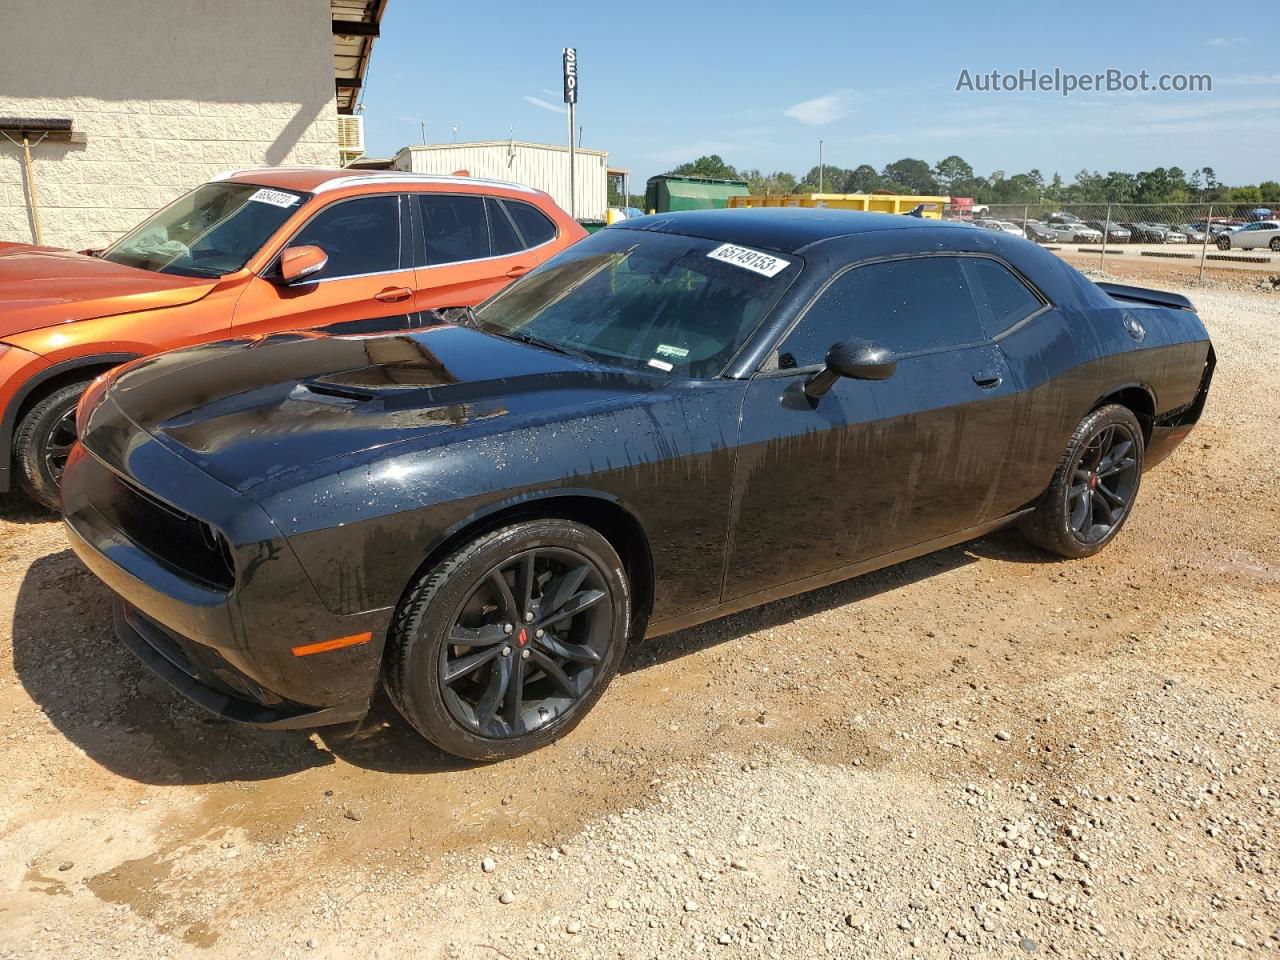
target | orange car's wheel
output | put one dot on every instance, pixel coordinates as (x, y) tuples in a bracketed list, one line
[(43, 441)]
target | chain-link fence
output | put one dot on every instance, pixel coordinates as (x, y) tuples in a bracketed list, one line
[(1198, 234)]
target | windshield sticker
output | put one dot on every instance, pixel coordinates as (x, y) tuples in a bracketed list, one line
[(277, 198), (666, 350), (765, 264), (661, 365)]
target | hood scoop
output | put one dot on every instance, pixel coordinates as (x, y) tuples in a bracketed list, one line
[(334, 395)]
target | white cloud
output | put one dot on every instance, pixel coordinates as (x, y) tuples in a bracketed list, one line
[(826, 109), (553, 107), (695, 149), (1225, 41), (1251, 80)]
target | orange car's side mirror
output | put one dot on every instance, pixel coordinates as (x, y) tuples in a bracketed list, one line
[(298, 263)]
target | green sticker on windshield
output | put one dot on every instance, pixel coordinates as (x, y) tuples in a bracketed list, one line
[(666, 350)]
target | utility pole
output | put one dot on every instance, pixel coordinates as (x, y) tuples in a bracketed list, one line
[(423, 125), (820, 167), (569, 62)]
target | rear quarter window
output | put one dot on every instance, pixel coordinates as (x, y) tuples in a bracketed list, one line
[(1002, 298), (535, 226)]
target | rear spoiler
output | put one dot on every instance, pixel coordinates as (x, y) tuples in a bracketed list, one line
[(1120, 291)]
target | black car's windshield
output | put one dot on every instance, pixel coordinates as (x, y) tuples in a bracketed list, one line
[(646, 301), (210, 231)]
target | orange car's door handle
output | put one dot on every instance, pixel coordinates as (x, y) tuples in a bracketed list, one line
[(517, 271), (393, 294)]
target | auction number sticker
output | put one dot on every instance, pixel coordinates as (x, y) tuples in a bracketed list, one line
[(765, 264), (277, 198)]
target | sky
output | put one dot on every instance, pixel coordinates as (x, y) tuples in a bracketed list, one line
[(761, 83)]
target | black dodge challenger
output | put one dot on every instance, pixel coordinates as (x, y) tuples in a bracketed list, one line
[(676, 418)]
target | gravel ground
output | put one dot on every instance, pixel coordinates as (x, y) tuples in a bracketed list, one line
[(983, 752)]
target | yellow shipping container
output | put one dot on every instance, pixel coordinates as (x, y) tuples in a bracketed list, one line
[(874, 202)]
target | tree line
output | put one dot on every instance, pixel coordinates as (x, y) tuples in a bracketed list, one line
[(953, 176)]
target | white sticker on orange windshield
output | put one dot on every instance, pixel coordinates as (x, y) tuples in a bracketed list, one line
[(277, 198), (765, 264)]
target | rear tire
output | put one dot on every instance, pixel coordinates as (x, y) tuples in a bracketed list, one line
[(43, 441), (1094, 487), (1275, 244), (536, 673)]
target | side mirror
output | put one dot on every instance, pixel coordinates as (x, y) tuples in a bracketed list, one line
[(857, 359), (298, 263)]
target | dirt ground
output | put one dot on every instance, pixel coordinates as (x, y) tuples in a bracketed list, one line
[(983, 752)]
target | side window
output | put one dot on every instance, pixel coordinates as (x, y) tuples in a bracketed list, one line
[(1002, 298), (501, 232), (360, 236), (534, 225), (906, 305), (454, 228)]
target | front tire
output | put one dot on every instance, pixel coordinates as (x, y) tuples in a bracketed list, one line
[(43, 441), (1224, 242), (505, 645), (1094, 487), (1275, 244)]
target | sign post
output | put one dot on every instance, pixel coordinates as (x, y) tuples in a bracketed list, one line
[(571, 98)]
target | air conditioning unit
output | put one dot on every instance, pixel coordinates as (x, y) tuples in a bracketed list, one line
[(350, 138)]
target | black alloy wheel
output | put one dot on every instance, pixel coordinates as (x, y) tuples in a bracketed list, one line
[(58, 444), (504, 645), (1094, 488), (526, 644), (1103, 483), (1224, 241), (42, 443), (1275, 244)]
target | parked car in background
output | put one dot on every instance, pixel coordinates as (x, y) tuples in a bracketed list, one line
[(1114, 232), (679, 417), (1063, 217), (251, 253), (1039, 232), (1075, 232), (1003, 226), (1251, 236), (1145, 232), (1193, 232), (1171, 234)]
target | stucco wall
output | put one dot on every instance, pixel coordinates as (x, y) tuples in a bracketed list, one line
[(169, 94)]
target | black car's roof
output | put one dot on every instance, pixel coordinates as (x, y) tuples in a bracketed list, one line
[(785, 229)]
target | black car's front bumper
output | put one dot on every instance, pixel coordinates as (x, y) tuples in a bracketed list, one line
[(164, 654), (228, 645)]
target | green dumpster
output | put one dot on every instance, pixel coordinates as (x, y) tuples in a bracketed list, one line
[(667, 193)]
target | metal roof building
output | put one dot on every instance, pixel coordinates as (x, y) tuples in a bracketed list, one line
[(542, 166)]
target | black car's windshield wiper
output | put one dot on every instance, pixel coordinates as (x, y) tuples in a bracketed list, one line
[(544, 344), (520, 337)]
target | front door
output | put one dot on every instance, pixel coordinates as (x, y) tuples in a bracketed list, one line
[(369, 273), (872, 467)]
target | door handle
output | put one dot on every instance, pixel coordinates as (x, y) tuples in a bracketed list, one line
[(517, 272), (393, 294), (988, 379)]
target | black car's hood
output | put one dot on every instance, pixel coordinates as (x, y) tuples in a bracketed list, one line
[(247, 411)]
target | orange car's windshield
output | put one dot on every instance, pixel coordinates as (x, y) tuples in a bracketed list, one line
[(211, 231)]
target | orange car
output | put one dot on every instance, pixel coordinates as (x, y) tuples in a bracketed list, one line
[(252, 252)]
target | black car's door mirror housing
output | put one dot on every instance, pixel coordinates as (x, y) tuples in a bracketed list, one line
[(854, 358)]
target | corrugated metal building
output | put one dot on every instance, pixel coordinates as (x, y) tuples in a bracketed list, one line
[(539, 165)]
